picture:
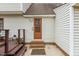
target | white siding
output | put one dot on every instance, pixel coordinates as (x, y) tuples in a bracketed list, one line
[(48, 29), (76, 32), (62, 27), (10, 7), (15, 22), (19, 22), (14, 8)]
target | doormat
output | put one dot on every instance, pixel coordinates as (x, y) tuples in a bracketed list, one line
[(38, 52)]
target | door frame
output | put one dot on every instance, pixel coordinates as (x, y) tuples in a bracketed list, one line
[(40, 26)]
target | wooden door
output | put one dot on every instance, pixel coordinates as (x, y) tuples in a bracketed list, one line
[(37, 28)]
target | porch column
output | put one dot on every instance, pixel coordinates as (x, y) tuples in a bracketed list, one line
[(6, 40), (18, 35), (24, 36)]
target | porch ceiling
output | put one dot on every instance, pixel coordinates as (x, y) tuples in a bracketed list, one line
[(42, 8)]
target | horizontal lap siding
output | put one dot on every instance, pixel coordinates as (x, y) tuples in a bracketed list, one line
[(76, 32), (15, 22), (48, 29), (62, 27)]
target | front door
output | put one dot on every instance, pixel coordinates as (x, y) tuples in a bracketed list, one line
[(37, 27)]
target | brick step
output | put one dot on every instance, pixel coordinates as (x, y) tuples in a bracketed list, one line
[(37, 46), (37, 42)]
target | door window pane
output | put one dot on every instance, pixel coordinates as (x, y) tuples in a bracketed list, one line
[(37, 24)]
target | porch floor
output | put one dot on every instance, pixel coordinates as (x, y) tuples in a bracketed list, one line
[(51, 50)]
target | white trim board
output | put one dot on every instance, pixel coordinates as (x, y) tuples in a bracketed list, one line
[(39, 15)]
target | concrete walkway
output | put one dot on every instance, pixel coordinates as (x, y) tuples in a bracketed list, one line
[(51, 50)]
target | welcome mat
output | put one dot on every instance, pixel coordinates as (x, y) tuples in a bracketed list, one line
[(38, 52)]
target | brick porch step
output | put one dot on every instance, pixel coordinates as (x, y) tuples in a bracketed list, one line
[(37, 44)]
